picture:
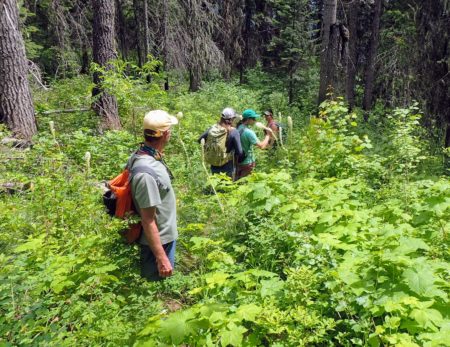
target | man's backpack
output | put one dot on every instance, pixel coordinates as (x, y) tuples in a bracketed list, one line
[(216, 146), (281, 128), (119, 201)]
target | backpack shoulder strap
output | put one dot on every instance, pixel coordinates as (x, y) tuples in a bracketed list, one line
[(148, 170), (131, 161)]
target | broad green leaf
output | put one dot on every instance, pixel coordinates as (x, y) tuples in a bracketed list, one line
[(410, 244), (271, 286), (437, 339), (206, 310), (176, 326), (105, 269), (288, 207), (30, 245), (419, 280), (427, 318), (58, 286), (216, 278), (232, 335), (248, 312), (392, 322)]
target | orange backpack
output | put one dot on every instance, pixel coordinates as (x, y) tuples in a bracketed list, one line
[(119, 201)]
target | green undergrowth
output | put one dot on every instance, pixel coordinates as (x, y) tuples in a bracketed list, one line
[(340, 237)]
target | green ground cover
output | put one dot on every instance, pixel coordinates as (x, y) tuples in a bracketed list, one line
[(340, 238)]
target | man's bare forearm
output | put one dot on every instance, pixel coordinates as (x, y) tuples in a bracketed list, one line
[(151, 233)]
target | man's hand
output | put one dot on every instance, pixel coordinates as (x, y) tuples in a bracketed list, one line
[(164, 267)]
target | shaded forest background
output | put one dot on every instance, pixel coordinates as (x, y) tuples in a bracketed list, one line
[(373, 52)]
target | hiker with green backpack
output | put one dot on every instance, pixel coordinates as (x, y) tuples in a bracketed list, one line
[(222, 144)]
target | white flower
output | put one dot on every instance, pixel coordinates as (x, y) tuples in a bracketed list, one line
[(52, 127), (260, 125), (290, 123)]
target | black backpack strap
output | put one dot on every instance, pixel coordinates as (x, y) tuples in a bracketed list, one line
[(145, 169)]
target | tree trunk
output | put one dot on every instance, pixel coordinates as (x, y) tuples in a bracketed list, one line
[(370, 68), (121, 30), (165, 30), (326, 68), (104, 51), (352, 16), (432, 66), (16, 104), (84, 60), (249, 56), (226, 38), (194, 79), (146, 33), (142, 30)]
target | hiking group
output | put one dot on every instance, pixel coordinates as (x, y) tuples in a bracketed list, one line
[(229, 149), (145, 186)]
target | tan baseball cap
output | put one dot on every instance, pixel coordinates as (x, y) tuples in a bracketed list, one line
[(158, 121)]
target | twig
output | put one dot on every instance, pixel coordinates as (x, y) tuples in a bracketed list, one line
[(67, 110), (32, 66)]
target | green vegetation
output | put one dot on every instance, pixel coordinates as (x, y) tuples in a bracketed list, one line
[(340, 238)]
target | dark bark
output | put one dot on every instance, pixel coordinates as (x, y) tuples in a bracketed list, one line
[(230, 38), (290, 89), (352, 15), (226, 37), (121, 30), (369, 77), (334, 57), (249, 56), (103, 52), (84, 60), (142, 30), (165, 31), (194, 79), (16, 104), (432, 67), (326, 68)]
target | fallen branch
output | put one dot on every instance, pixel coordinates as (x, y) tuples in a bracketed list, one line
[(13, 188), (66, 110)]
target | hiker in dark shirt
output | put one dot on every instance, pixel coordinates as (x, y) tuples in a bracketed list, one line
[(222, 144)]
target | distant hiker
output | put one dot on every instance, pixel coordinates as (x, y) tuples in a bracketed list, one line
[(154, 199), (248, 141), (274, 126), (222, 144)]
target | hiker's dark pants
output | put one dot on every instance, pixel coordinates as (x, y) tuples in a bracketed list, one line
[(226, 169), (244, 170), (149, 268)]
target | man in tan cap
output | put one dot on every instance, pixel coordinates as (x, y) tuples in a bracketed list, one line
[(154, 198)]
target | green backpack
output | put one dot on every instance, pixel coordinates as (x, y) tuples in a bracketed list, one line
[(215, 146)]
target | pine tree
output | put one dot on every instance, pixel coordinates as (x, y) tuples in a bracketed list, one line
[(16, 105), (104, 51)]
